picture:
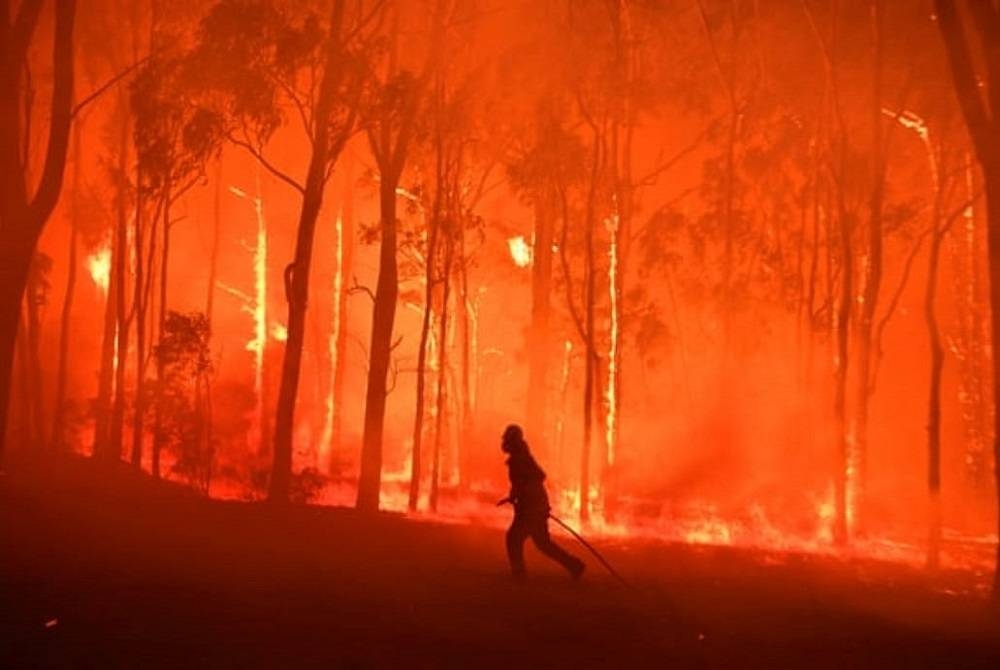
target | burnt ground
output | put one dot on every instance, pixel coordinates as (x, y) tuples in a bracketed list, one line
[(109, 569)]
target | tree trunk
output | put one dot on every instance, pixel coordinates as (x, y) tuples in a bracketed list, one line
[(416, 467), (539, 339), (872, 285), (442, 376), (297, 273), (468, 407), (34, 301), (13, 276), (140, 301), (161, 322), (842, 326), (345, 269), (380, 351), (993, 209), (983, 127), (22, 217), (106, 378), (58, 441), (121, 279), (934, 400), (297, 295)]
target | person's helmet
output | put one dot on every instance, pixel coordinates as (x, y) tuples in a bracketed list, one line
[(512, 435)]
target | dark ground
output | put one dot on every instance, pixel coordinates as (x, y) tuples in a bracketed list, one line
[(128, 573)]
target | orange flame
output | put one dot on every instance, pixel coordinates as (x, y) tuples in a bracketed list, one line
[(520, 251), (99, 267)]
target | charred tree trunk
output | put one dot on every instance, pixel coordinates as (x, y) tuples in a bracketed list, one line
[(441, 400), (390, 149), (467, 390), (140, 307), (58, 441), (297, 272), (34, 300), (872, 284), (934, 400), (842, 328), (23, 215), (121, 279), (984, 128), (158, 437), (213, 268), (416, 465), (380, 350)]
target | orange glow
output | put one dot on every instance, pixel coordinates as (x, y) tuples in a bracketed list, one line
[(654, 229), (256, 305), (611, 394), (99, 267), (520, 251), (326, 440)]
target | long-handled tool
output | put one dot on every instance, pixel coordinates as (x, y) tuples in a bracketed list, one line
[(579, 538), (597, 554)]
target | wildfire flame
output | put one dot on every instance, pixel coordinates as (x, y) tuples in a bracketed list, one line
[(279, 332), (611, 423), (99, 267), (326, 442), (520, 251)]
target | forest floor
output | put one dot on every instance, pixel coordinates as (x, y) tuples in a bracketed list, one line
[(110, 569)]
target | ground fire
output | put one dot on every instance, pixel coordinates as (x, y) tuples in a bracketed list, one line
[(286, 283)]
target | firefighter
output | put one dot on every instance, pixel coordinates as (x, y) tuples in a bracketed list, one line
[(531, 507)]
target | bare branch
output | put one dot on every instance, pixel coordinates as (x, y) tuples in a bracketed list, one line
[(361, 288), (103, 88), (257, 154)]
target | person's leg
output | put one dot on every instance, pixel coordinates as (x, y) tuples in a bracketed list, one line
[(540, 536), (516, 535)]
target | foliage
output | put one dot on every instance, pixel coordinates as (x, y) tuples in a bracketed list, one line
[(183, 351)]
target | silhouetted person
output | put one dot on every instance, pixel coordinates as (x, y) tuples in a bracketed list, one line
[(531, 507)]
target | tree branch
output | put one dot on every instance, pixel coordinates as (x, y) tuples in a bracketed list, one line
[(103, 88), (957, 46), (257, 154)]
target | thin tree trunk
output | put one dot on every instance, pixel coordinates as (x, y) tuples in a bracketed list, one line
[(144, 271), (34, 300), (934, 402), (106, 379), (13, 276), (346, 266), (66, 319), (872, 285), (121, 278), (993, 208), (842, 328), (391, 157), (297, 273), (442, 373), (467, 393), (416, 467), (380, 350), (161, 322)]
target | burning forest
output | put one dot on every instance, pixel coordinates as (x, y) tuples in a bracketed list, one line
[(731, 268)]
